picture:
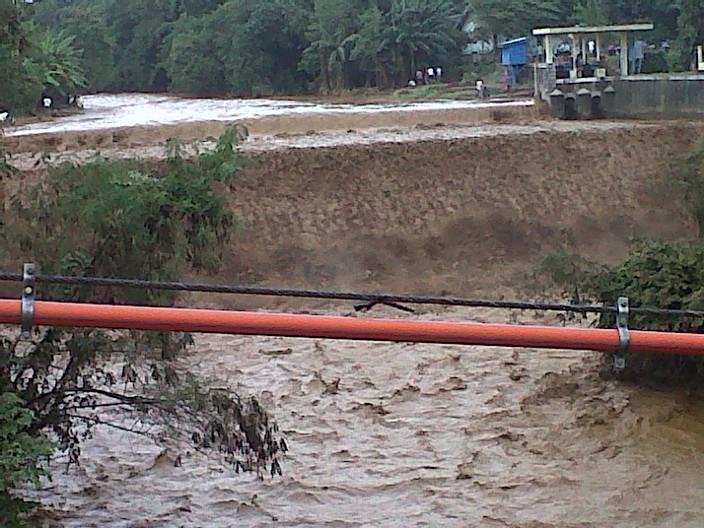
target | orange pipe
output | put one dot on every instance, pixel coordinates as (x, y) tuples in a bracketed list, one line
[(318, 326)]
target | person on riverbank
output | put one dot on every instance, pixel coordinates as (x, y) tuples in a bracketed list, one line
[(481, 89), (639, 47)]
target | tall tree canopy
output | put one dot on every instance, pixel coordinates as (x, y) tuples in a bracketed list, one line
[(258, 47)]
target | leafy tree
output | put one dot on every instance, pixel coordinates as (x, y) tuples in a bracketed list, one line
[(591, 12), (61, 62), (191, 63), (22, 78), (334, 21), (517, 17), (249, 47), (35, 60), (264, 55), (663, 13), (367, 47), (691, 31), (22, 457), (425, 30), (87, 22), (139, 30), (115, 218)]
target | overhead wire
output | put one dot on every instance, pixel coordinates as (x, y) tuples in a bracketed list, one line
[(394, 300)]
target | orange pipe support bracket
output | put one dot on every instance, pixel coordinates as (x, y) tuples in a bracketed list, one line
[(318, 326)]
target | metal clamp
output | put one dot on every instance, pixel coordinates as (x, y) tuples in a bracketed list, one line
[(624, 334), (28, 301)]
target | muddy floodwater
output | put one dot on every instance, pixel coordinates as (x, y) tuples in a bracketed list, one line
[(415, 435), (131, 110), (430, 197)]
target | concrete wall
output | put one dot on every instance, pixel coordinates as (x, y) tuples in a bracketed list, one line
[(643, 96), (671, 96)]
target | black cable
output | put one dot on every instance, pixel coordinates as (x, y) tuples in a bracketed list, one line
[(370, 298)]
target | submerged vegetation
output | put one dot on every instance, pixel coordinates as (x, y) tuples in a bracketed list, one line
[(116, 218)]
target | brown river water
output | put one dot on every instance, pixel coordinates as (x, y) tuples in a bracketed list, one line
[(415, 435)]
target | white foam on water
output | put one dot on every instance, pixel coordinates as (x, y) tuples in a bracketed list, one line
[(131, 110)]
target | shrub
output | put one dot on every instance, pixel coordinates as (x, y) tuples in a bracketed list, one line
[(664, 275), (657, 274), (655, 62), (115, 218), (22, 456)]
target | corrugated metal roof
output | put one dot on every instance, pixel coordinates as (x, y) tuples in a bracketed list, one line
[(514, 42)]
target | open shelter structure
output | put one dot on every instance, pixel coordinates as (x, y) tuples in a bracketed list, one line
[(587, 44)]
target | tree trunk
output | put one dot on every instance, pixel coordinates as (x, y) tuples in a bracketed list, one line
[(379, 74), (397, 65), (324, 70)]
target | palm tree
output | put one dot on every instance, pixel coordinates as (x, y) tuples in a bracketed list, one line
[(333, 23), (367, 45), (61, 61), (421, 28)]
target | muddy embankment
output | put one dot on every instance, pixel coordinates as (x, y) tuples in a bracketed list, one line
[(458, 215), (463, 210)]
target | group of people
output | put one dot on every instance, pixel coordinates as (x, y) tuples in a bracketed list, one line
[(430, 75), (46, 103)]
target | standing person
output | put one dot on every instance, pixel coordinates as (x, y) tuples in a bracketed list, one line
[(431, 74), (419, 77), (508, 79), (638, 55), (438, 73)]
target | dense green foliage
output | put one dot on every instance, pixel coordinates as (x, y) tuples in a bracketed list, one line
[(23, 456), (256, 47), (117, 218), (665, 275), (169, 220), (655, 274), (34, 61)]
